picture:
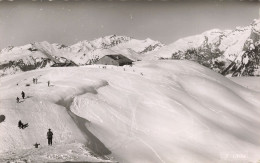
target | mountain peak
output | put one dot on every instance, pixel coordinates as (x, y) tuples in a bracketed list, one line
[(230, 52), (109, 41), (148, 40)]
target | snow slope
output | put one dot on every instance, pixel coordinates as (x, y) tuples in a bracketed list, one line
[(248, 82), (155, 111), (58, 153)]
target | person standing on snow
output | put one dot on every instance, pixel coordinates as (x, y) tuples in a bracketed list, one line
[(17, 100), (48, 83), (20, 124), (49, 137), (23, 94)]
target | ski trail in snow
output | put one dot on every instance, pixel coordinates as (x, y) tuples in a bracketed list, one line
[(133, 124), (133, 121), (152, 149)]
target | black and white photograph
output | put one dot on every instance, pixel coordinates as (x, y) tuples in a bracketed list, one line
[(130, 81)]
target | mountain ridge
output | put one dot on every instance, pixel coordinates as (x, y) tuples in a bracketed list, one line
[(44, 54), (229, 52)]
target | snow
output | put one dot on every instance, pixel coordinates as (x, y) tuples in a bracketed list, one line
[(18, 53), (59, 153), (177, 111), (234, 42), (248, 82)]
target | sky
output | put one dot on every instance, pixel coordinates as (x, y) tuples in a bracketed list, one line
[(67, 22)]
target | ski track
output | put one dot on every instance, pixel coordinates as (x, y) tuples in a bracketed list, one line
[(152, 149)]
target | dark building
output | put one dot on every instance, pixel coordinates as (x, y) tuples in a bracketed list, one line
[(115, 59)]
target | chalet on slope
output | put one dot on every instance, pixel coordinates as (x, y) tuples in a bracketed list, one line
[(115, 59)]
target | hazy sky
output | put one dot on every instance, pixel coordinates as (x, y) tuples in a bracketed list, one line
[(68, 22)]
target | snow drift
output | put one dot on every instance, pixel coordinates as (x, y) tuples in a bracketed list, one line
[(155, 111)]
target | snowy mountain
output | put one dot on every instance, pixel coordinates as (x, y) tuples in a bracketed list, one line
[(229, 52), (153, 112), (43, 54)]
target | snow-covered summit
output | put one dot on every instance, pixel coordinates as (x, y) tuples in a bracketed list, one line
[(101, 43), (222, 50)]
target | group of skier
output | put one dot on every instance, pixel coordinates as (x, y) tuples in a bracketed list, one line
[(23, 96), (21, 125), (49, 133), (35, 80)]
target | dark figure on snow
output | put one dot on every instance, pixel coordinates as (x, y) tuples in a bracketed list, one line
[(17, 100), (49, 137), (20, 124), (48, 83), (36, 80), (23, 94), (36, 145), (33, 81)]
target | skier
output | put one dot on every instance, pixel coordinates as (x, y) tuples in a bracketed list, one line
[(48, 83), (33, 81), (49, 137), (36, 80), (20, 124), (17, 99), (36, 145), (23, 94)]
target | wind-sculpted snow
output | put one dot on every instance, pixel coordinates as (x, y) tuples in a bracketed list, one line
[(173, 113), (154, 111)]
